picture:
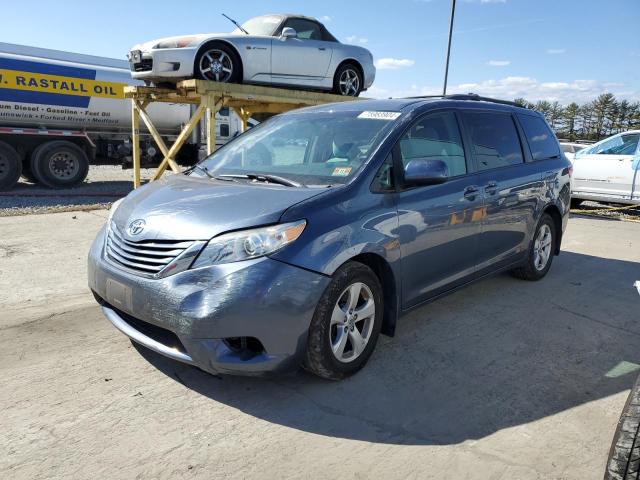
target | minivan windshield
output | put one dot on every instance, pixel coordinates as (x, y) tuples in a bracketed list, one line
[(307, 149)]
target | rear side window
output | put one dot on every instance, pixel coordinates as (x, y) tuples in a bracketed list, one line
[(435, 137), (541, 139), (495, 139)]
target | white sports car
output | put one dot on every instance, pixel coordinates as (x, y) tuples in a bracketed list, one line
[(290, 50)]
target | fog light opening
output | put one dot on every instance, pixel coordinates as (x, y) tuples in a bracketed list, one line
[(245, 347)]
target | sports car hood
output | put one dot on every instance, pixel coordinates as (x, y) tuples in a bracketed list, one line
[(198, 39), (179, 207)]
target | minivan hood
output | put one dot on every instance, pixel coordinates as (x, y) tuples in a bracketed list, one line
[(179, 207)]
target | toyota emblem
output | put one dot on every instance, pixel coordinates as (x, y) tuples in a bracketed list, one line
[(136, 227)]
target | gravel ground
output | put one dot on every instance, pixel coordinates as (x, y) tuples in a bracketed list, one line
[(104, 185)]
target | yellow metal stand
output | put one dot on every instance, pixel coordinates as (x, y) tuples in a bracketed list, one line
[(210, 98)]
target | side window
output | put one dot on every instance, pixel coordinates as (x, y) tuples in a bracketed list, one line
[(620, 145), (305, 29), (541, 139), (435, 137), (495, 139), (383, 181), (224, 129)]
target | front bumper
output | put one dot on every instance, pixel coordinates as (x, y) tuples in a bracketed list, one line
[(163, 63), (196, 316)]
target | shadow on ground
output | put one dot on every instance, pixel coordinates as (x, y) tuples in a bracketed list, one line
[(500, 353)]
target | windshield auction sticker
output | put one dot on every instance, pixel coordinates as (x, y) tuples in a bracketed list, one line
[(379, 115)]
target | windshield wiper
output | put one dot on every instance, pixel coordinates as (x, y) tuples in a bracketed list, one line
[(235, 23), (265, 177), (204, 169)]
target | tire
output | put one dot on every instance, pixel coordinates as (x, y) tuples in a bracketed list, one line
[(325, 334), (10, 167), (576, 202), (212, 62), (349, 73), (624, 456), (59, 164), (544, 246)]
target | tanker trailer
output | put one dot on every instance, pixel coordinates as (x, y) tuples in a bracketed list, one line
[(59, 111)]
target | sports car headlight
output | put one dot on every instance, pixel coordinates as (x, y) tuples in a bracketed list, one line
[(247, 244), (176, 43)]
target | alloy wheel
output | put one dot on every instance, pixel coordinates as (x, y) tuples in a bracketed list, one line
[(349, 83), (542, 247), (352, 322), (216, 65)]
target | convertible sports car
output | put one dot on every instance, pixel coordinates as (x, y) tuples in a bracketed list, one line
[(290, 50)]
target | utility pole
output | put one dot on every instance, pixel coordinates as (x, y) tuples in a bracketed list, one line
[(446, 69)]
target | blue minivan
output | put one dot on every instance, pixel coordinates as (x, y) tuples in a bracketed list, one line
[(302, 240)]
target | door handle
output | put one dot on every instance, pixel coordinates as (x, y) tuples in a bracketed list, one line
[(471, 192), (321, 48), (491, 187)]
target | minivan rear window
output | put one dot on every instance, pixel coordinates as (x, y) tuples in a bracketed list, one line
[(495, 139), (541, 139)]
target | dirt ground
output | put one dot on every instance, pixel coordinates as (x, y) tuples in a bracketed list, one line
[(503, 380)]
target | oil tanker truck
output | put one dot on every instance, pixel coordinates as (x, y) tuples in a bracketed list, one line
[(61, 111)]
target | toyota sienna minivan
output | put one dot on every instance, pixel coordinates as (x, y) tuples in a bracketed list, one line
[(301, 241)]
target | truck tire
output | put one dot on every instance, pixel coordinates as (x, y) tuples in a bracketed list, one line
[(59, 164), (10, 166)]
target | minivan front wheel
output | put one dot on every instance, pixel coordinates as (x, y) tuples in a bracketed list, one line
[(346, 323), (541, 251)]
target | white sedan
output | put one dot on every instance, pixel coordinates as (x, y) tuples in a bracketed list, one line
[(608, 171), (272, 49)]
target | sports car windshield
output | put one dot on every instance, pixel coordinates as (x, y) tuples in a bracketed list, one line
[(261, 25), (313, 149)]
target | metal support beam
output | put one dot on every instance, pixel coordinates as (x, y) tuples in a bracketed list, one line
[(184, 135), (135, 141), (156, 135), (213, 106)]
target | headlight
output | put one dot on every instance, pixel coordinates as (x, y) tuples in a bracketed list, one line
[(247, 244), (176, 43), (114, 207)]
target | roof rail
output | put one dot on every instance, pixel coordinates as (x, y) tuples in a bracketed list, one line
[(470, 96)]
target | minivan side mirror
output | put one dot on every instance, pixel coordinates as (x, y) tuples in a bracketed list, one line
[(288, 32), (424, 171)]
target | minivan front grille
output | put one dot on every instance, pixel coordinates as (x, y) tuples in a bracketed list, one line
[(146, 256)]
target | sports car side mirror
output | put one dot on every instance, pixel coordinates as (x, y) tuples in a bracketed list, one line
[(288, 32)]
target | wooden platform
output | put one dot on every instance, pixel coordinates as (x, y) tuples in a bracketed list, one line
[(211, 97)]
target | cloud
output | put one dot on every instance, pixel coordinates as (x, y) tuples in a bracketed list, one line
[(356, 39), (393, 63), (580, 91), (326, 18), (498, 63), (556, 51)]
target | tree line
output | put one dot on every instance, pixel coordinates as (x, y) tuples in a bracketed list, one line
[(598, 119)]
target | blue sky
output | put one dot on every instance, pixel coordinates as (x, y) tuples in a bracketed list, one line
[(542, 49)]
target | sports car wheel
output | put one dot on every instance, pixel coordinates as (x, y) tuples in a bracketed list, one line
[(348, 81), (218, 63)]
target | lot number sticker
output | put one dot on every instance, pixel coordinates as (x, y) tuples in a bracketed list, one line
[(379, 115)]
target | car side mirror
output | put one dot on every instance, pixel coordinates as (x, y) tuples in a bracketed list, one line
[(424, 171), (288, 32)]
